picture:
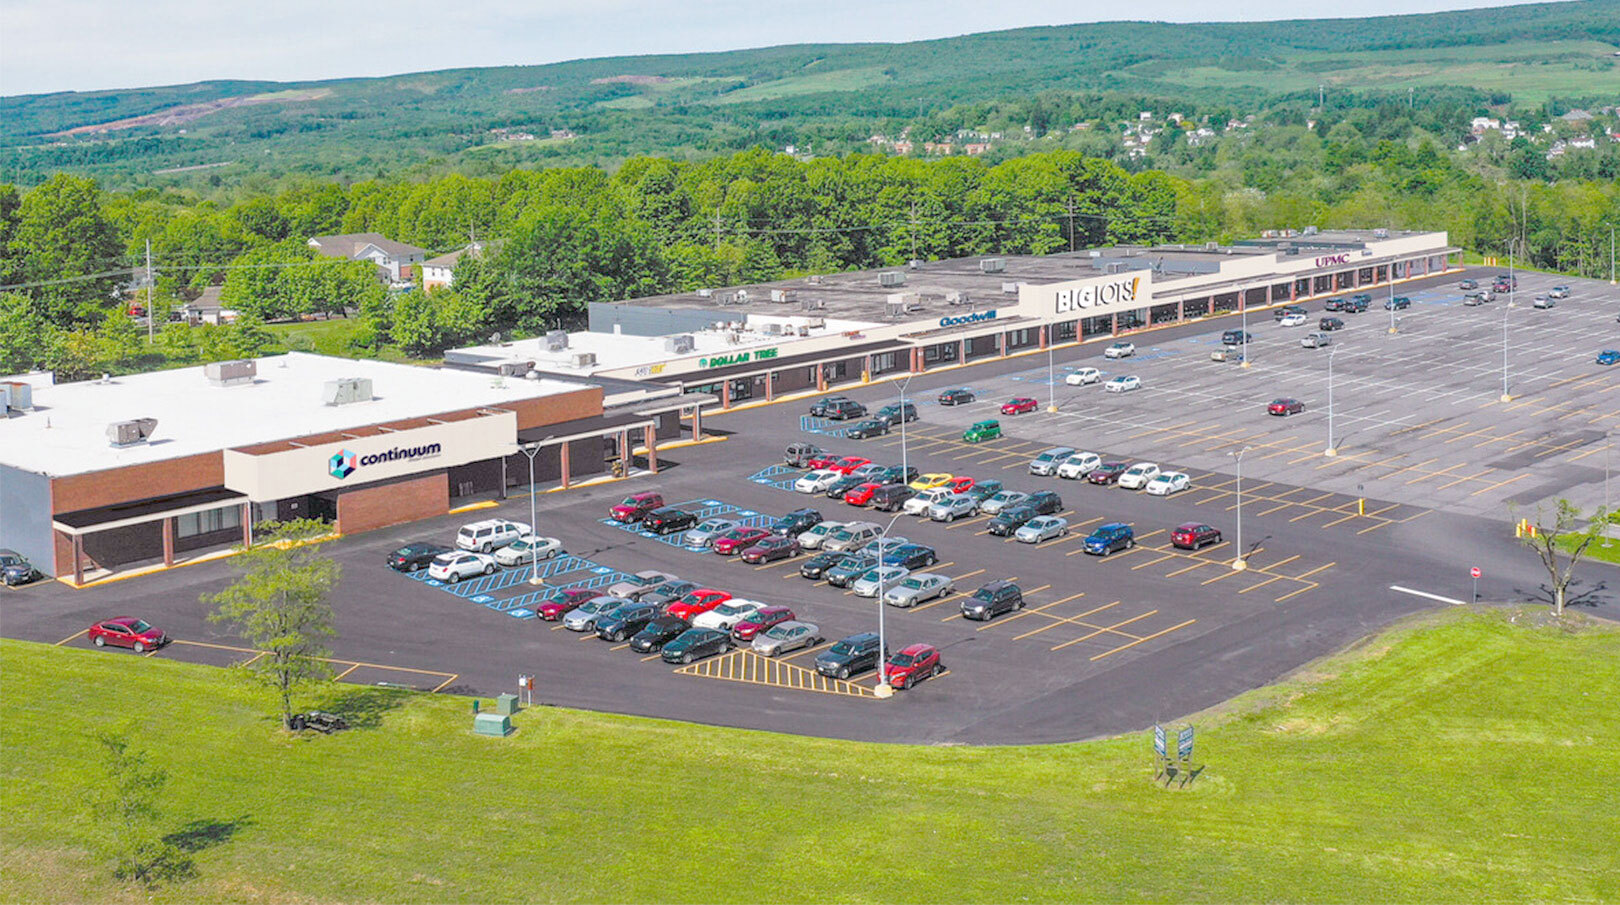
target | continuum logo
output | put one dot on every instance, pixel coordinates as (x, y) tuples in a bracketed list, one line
[(345, 463)]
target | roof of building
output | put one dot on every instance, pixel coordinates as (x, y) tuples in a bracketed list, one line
[(347, 245), (66, 432), (449, 259)]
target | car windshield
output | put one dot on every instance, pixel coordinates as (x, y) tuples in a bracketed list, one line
[(781, 632), (713, 524), (984, 594), (911, 583), (734, 609), (842, 647), (902, 659), (628, 501), (139, 626), (1045, 457)]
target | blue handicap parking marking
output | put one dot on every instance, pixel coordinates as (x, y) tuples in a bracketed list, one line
[(763, 481), (601, 570), (482, 598), (520, 613), (713, 503), (646, 534), (434, 583)]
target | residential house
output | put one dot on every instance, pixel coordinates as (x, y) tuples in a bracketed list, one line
[(441, 271), (396, 261)]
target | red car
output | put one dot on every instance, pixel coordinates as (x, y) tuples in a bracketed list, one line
[(825, 460), (960, 484), (636, 506), (771, 549), (862, 495), (695, 602), (127, 631), (1285, 407), (739, 539), (912, 665), (849, 463), (1018, 405), (1194, 535), (762, 619), (1107, 473), (556, 604)]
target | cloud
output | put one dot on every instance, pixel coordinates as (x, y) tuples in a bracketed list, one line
[(86, 45)]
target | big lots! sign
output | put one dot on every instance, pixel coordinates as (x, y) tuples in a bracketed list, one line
[(1331, 260), (1098, 294)]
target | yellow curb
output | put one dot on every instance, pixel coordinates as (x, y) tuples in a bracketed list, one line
[(471, 507), (210, 556), (680, 444)]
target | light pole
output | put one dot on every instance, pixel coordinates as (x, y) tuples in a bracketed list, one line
[(1608, 444), (1238, 562), (1506, 397), (905, 477), (1243, 310), (1392, 296), (1331, 449), (532, 450), (883, 689), (1051, 387)]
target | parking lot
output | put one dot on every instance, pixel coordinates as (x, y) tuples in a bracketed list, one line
[(1427, 461)]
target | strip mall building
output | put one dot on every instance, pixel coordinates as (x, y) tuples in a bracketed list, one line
[(757, 342)]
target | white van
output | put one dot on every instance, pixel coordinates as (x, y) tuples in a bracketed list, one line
[(488, 534)]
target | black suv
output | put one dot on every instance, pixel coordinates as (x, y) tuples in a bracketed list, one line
[(992, 600), (625, 621), (816, 567), (844, 410), (892, 412), (820, 406), (1329, 324), (894, 474), (1044, 502), (870, 427), (853, 655), (796, 522), (1010, 520), (958, 396), (890, 497), (668, 520), (1235, 337), (1284, 311), (655, 634)]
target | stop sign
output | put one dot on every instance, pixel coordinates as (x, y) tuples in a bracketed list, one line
[(1474, 571)]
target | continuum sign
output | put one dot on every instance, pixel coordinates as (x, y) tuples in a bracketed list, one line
[(344, 462), (1098, 294)]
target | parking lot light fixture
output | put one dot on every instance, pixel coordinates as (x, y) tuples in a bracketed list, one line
[(883, 690), (1506, 396), (1331, 449), (1051, 385), (1392, 327), (531, 451), (1243, 312), (903, 463), (1238, 561)]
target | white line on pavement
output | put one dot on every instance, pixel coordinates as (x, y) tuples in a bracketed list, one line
[(1451, 600)]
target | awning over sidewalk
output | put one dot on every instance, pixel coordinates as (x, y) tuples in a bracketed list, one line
[(104, 518)]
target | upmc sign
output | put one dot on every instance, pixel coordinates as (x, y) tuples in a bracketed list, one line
[(1332, 260), (1098, 294)]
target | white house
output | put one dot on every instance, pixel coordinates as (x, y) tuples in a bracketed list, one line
[(396, 260), (441, 271)]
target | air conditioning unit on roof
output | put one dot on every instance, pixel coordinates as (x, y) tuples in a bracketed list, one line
[(231, 373), (556, 340), (892, 278), (129, 433), (679, 344), (345, 390), (583, 360)]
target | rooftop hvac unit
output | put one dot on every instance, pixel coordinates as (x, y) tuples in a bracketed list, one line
[(556, 340), (895, 309), (1009, 288), (957, 297), (992, 265), (231, 373), (726, 298), (514, 368), (784, 295), (345, 390), (1114, 267), (705, 293), (815, 304), (129, 433), (742, 296), (679, 344), (583, 359), (892, 278), (804, 331), (773, 329), (1310, 230), (16, 397), (1094, 253), (1380, 233), (915, 263), (1211, 246), (815, 322), (813, 279)]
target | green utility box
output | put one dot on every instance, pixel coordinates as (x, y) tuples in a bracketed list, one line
[(496, 724), (506, 704)]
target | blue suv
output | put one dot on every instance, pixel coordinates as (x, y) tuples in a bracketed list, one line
[(1110, 538)]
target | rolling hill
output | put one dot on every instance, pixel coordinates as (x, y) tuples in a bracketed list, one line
[(605, 109)]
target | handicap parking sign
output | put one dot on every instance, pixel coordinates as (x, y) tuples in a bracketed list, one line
[(482, 598), (712, 503), (602, 570), (435, 583), (520, 613)]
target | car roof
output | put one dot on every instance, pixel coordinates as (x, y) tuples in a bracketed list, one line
[(915, 649), (861, 637), (125, 621), (1191, 526)]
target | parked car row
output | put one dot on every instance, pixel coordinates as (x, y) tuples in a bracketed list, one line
[(513, 544)]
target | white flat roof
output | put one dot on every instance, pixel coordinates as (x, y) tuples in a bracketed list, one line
[(66, 432), (624, 350)]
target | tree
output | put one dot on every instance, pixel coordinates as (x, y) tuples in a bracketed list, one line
[(279, 606), (1561, 543), (129, 790), (62, 238)]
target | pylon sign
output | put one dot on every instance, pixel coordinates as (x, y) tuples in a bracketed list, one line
[(1158, 741), (1184, 743)]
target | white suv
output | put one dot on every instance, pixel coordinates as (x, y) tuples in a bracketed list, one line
[(923, 502), (488, 534)]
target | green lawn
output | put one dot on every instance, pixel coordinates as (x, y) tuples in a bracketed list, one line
[(330, 337), (1467, 759)]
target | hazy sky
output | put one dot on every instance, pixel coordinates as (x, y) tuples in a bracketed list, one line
[(80, 45)]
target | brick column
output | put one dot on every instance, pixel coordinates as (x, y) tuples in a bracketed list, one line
[(78, 559), (821, 377), (247, 526), (1043, 336), (652, 445), (1113, 325), (1181, 310), (725, 393), (168, 541), (697, 422), (625, 459), (770, 387), (563, 462)]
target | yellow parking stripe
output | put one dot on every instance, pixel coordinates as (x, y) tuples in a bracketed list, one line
[(751, 668)]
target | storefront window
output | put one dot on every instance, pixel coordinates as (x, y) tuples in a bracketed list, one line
[(194, 523), (1225, 303), (1164, 314), (1195, 307), (1097, 326), (1302, 287), (1065, 331), (1322, 284)]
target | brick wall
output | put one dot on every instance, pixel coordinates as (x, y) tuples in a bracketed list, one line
[(585, 402), (136, 482), (393, 504)]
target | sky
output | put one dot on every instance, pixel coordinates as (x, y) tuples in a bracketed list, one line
[(88, 45)]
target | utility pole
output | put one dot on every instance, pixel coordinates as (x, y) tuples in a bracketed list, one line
[(1409, 98), (914, 229), (1071, 224), (717, 230), (1611, 254), (150, 286), (1321, 97)]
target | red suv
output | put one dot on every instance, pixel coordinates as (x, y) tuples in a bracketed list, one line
[(1194, 535), (1018, 405), (912, 665), (127, 631), (636, 506), (696, 602), (763, 618), (849, 463), (739, 539), (556, 604)]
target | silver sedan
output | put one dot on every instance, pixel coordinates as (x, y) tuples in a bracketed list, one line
[(887, 576), (1046, 527), (788, 636), (527, 549), (917, 588)]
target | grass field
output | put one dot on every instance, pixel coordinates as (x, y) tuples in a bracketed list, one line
[(329, 337), (854, 79), (1464, 759)]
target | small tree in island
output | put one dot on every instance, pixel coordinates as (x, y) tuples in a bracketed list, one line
[(279, 606), (1560, 542)]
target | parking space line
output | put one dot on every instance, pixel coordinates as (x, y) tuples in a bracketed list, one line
[(1261, 584), (1153, 561), (76, 634), (1104, 629), (1227, 574), (1198, 565), (966, 575), (339, 676), (1343, 519), (1281, 562), (1283, 505), (1143, 640), (1443, 473), (1030, 612), (1472, 477), (1303, 575), (1310, 587), (1516, 477), (652, 656)]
